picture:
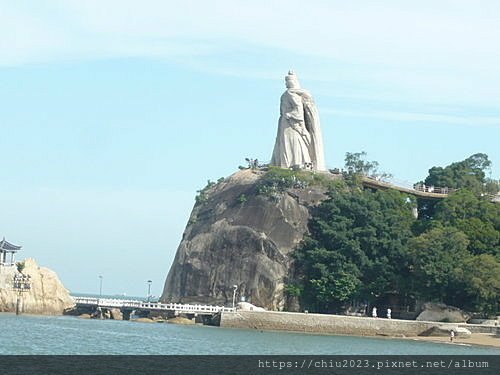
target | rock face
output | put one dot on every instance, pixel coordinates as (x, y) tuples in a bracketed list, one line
[(238, 237), (439, 312), (47, 295)]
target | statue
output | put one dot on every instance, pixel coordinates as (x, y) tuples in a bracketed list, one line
[(298, 143)]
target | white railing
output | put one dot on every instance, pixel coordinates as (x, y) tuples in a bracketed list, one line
[(433, 189), (109, 302)]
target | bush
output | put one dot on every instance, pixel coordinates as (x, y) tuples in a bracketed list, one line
[(292, 290), (278, 180), (202, 195), (242, 198), (20, 266)]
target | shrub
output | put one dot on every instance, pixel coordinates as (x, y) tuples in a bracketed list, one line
[(242, 198)]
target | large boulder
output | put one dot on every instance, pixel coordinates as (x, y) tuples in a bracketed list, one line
[(245, 306), (236, 236), (439, 312), (116, 314), (445, 330), (47, 294)]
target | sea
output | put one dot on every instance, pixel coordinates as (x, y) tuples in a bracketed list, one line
[(27, 334)]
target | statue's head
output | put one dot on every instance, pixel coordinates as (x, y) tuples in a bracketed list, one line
[(291, 81)]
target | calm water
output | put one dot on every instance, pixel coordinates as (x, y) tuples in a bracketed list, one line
[(70, 335)]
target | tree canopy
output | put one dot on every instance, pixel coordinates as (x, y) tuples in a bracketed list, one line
[(365, 245), (356, 248), (356, 163), (469, 174)]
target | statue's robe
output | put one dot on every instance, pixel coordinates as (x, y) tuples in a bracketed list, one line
[(298, 141), (311, 119), (293, 139)]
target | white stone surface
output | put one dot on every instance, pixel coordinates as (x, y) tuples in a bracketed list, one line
[(245, 306), (46, 296), (299, 142)]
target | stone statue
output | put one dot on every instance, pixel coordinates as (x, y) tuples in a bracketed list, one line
[(298, 142)]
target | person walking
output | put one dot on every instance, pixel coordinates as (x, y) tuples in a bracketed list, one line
[(452, 335), (374, 312), (389, 312)]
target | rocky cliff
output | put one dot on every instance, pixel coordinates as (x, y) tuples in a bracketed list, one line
[(238, 236), (47, 294)]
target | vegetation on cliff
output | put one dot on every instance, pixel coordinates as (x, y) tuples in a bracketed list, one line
[(366, 247)]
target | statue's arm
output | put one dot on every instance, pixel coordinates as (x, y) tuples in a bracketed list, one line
[(296, 111)]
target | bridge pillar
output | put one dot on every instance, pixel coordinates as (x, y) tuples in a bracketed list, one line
[(126, 314)]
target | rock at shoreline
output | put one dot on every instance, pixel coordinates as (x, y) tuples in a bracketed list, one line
[(236, 236), (144, 320), (439, 312), (444, 331), (116, 314), (47, 295), (181, 320)]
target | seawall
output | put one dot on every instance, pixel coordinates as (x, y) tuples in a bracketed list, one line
[(326, 324)]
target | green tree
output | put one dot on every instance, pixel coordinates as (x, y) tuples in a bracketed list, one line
[(468, 173), (330, 279), (478, 218), (356, 248), (439, 257), (483, 283), (364, 245), (356, 163)]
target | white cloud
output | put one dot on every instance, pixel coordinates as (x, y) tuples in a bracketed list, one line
[(418, 117), (441, 51), (24, 37), (383, 32)]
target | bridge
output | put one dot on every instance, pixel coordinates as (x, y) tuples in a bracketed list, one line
[(142, 308), (418, 190)]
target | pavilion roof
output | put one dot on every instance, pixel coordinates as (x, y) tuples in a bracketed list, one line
[(4, 245)]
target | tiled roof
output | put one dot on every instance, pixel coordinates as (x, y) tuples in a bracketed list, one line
[(4, 245)]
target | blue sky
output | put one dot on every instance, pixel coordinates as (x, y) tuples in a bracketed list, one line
[(113, 113)]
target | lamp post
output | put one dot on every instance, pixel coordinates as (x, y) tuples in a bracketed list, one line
[(100, 286), (235, 287), (149, 289)]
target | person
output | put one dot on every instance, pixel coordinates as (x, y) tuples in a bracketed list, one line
[(374, 312), (298, 141), (452, 335), (389, 312)]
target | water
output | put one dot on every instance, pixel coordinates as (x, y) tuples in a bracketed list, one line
[(70, 335)]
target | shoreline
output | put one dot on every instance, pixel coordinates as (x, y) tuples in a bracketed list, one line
[(486, 340), (323, 324)]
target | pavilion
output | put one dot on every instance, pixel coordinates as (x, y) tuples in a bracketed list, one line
[(8, 248)]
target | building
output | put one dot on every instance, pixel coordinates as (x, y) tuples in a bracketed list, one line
[(8, 253)]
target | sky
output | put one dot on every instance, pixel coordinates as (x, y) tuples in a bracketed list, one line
[(113, 113)]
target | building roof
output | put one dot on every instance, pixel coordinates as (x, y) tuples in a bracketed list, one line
[(4, 245)]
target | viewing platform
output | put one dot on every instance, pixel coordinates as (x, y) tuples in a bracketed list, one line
[(418, 190)]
